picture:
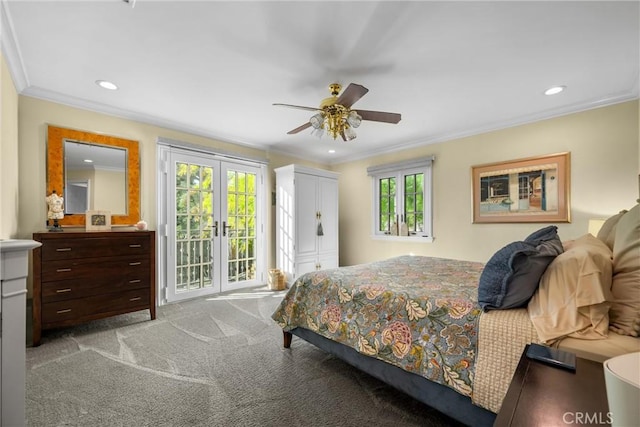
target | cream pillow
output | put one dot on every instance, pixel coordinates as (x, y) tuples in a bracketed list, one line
[(625, 308), (607, 232), (573, 297)]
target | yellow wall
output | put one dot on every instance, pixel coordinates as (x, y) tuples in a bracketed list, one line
[(604, 162), (109, 191), (35, 114), (8, 154), (604, 179)]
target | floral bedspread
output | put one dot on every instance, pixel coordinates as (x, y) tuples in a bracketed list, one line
[(418, 313)]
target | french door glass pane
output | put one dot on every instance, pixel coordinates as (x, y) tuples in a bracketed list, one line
[(241, 219), (194, 222)]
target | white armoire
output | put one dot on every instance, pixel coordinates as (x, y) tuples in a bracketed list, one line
[(306, 220)]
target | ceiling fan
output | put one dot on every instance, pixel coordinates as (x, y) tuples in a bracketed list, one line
[(336, 116)]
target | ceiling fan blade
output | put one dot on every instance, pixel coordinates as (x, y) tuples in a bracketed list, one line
[(379, 116), (299, 128), (351, 94), (300, 107)]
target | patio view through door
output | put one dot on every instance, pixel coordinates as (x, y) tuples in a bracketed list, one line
[(213, 216)]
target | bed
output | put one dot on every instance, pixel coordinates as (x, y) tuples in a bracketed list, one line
[(424, 326)]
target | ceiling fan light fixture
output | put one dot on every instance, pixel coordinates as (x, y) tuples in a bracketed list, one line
[(317, 121), (354, 119), (335, 117), (318, 132), (349, 134)]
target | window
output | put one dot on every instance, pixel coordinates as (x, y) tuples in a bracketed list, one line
[(402, 197)]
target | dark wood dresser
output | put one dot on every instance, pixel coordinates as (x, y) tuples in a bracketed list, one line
[(83, 276)]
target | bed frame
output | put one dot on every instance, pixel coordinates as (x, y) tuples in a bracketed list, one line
[(437, 396)]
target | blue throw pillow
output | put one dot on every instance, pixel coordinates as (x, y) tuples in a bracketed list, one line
[(542, 235), (512, 275)]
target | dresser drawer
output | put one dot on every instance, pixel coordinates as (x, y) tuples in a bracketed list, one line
[(96, 268), (81, 276), (95, 247), (61, 290), (94, 306)]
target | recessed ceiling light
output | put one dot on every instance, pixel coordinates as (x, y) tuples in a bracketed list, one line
[(106, 84), (332, 151), (554, 90), (88, 161)]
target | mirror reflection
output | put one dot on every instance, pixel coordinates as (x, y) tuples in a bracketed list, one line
[(95, 178)]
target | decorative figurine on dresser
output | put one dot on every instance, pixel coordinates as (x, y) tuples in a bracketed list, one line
[(55, 211), (79, 276)]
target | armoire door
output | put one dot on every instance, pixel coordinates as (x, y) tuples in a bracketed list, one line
[(306, 188), (328, 210)]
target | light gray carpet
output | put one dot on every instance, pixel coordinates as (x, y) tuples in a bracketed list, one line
[(215, 361)]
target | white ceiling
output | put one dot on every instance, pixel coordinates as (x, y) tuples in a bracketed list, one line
[(214, 68)]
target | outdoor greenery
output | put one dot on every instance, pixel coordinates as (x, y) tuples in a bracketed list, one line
[(387, 203), (241, 215), (413, 213), (414, 201)]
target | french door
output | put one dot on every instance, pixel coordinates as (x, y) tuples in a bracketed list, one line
[(214, 225)]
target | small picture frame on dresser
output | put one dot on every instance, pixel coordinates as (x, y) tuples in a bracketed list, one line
[(98, 221)]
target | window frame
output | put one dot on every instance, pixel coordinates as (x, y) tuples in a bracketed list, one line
[(399, 171)]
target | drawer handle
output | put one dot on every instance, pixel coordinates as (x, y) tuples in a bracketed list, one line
[(135, 299), (66, 310), (135, 263), (135, 246), (63, 249), (135, 281), (62, 270), (63, 290)]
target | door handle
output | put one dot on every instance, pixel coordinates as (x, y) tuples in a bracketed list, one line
[(215, 228), (225, 227)]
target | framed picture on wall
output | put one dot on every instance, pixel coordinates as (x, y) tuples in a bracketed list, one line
[(98, 221), (535, 189)]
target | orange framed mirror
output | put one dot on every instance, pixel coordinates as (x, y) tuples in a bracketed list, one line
[(57, 140)]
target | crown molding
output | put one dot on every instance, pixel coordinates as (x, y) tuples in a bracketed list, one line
[(495, 126), (635, 88), (74, 102), (10, 49)]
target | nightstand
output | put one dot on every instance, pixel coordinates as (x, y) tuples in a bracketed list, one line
[(542, 395)]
